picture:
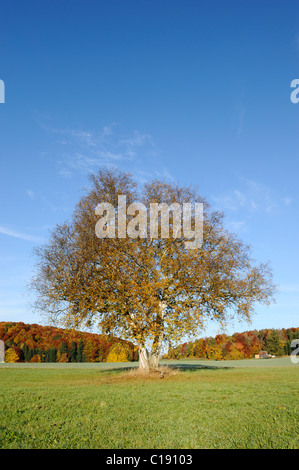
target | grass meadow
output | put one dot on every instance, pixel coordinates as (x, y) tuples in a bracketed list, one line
[(246, 404)]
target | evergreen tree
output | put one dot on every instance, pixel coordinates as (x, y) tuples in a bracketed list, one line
[(52, 354), (30, 354), (47, 355), (73, 352), (63, 348), (273, 343), (80, 355), (287, 348), (25, 352)]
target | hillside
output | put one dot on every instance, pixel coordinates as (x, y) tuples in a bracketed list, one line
[(238, 346), (36, 343)]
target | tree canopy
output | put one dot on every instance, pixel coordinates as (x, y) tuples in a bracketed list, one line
[(149, 290)]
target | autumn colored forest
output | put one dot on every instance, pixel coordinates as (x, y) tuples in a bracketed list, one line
[(245, 345), (36, 343)]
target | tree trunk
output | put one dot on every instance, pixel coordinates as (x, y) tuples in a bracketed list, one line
[(144, 364), (157, 344), (154, 360), (151, 361), (148, 361)]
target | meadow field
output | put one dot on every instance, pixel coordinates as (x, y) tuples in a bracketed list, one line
[(245, 404)]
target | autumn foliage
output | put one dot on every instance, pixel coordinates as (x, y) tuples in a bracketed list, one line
[(149, 290), (120, 352), (237, 346), (36, 343)]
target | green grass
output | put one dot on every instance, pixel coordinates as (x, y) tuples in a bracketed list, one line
[(241, 404)]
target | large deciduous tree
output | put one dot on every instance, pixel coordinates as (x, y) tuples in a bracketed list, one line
[(149, 290)]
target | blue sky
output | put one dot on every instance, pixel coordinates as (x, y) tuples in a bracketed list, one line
[(192, 90)]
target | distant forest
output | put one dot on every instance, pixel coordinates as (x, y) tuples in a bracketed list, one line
[(245, 345), (36, 343)]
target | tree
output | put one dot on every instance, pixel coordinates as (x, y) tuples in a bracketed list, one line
[(120, 352), (63, 348), (145, 288), (51, 355), (11, 355), (73, 352), (25, 353), (274, 343), (36, 358), (80, 355)]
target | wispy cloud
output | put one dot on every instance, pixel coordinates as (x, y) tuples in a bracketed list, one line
[(30, 193), (22, 236), (237, 226), (287, 201), (251, 197), (144, 176), (86, 150)]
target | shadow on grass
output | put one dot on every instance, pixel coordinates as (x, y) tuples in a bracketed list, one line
[(195, 367), (174, 367)]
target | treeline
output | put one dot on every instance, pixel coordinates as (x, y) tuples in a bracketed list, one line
[(245, 345), (36, 343)]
